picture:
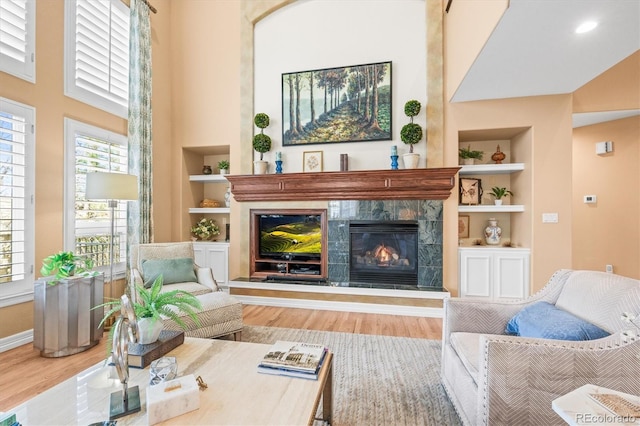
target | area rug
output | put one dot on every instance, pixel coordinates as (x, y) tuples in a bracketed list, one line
[(378, 380)]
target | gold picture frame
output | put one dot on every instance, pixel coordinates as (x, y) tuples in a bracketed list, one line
[(463, 226), (312, 161)]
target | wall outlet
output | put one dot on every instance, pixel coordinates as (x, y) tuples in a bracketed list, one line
[(590, 199), (608, 269)]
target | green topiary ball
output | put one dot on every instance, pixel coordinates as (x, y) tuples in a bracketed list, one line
[(412, 108), (261, 120), (261, 143), (411, 133)]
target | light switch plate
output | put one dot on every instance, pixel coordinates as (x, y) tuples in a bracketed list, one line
[(549, 217)]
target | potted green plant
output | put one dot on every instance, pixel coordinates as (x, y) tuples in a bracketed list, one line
[(469, 156), (223, 166), (66, 264), (411, 134), (261, 142), (498, 193), (152, 305)]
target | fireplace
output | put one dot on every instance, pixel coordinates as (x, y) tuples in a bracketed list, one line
[(383, 252)]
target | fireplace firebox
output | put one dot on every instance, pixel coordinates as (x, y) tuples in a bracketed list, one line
[(384, 252)]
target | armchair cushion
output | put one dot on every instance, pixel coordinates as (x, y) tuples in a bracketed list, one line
[(546, 321), (179, 270)]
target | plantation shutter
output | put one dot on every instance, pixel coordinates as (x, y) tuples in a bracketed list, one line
[(16, 204), (100, 51), (17, 35), (93, 217)]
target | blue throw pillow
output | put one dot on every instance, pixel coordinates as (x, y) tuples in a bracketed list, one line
[(173, 271), (544, 320)]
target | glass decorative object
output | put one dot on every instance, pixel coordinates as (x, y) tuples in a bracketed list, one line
[(163, 369)]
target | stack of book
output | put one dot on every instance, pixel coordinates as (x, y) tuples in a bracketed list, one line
[(294, 359), (8, 419), (141, 355)]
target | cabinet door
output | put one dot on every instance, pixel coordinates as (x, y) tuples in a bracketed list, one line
[(218, 260), (475, 273), (511, 275)]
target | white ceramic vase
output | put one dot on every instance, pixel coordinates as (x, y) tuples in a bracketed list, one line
[(468, 161), (224, 171), (260, 167), (149, 330), (498, 202), (411, 160), (493, 232)]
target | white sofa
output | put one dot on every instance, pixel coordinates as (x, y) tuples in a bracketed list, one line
[(497, 379), (221, 313)]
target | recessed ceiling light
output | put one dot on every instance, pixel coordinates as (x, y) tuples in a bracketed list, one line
[(586, 27)]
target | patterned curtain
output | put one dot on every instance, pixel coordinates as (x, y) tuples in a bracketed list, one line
[(140, 215)]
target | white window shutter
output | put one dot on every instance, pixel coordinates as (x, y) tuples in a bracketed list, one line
[(17, 38), (97, 54)]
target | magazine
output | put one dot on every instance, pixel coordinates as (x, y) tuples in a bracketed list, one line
[(294, 356)]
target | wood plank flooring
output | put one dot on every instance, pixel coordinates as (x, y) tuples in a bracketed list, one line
[(24, 373)]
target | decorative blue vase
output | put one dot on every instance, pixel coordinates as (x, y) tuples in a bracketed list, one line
[(278, 166), (394, 162)]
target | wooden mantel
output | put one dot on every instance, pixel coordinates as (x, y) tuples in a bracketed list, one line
[(413, 184)]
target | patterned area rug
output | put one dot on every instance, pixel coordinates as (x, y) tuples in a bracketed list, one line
[(378, 380)]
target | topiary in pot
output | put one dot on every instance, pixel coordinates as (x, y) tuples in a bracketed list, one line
[(261, 142), (411, 133)]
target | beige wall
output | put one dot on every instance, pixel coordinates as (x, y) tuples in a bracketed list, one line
[(607, 232), (47, 96)]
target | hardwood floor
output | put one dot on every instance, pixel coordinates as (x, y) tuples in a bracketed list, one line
[(25, 373)]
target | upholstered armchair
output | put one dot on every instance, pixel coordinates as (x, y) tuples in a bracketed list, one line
[(221, 313), (498, 379)]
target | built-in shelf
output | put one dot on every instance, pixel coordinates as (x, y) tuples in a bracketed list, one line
[(491, 169), (203, 210), (208, 178), (489, 208)]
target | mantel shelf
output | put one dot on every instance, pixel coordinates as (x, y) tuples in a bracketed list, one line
[(413, 184)]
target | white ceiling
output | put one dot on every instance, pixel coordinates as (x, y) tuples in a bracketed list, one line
[(534, 49)]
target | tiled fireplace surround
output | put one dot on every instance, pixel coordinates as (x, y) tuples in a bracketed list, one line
[(428, 214)]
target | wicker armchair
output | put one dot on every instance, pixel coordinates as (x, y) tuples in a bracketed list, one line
[(221, 313), (497, 379)]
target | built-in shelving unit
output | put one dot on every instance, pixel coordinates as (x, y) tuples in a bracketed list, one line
[(491, 169), (204, 210), (209, 178), (488, 208)]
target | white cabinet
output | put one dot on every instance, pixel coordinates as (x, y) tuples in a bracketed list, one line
[(495, 273), (214, 255)]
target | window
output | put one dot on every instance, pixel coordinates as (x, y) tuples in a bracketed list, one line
[(17, 174), (17, 38), (97, 54), (88, 222)]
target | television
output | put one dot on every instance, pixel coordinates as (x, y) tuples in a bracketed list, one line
[(290, 236)]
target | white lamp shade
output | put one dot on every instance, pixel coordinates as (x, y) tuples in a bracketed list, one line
[(111, 186)]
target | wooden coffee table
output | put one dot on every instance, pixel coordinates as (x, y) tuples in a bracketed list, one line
[(236, 394)]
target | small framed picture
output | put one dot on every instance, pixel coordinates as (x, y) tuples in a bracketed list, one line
[(312, 161), (463, 226), (470, 191)]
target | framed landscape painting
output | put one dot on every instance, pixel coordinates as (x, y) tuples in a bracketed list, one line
[(333, 105)]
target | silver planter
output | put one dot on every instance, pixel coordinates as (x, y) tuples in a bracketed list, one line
[(64, 323)]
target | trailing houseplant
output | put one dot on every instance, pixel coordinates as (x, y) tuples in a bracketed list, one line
[(469, 155), (261, 142), (66, 264), (500, 192), (152, 304), (411, 133)]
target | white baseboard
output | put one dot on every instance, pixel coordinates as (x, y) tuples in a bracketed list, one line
[(16, 340), (371, 308)]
